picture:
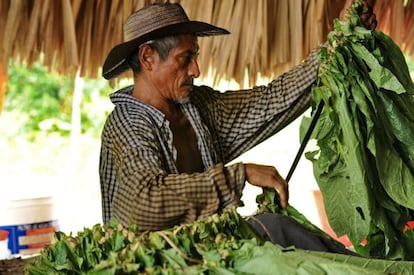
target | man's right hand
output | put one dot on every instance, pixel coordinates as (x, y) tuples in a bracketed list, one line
[(268, 176)]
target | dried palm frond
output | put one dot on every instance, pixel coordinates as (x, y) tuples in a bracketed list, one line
[(268, 36)]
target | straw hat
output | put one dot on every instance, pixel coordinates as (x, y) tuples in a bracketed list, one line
[(152, 22)]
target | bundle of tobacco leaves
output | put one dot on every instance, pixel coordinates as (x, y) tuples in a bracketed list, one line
[(364, 164)]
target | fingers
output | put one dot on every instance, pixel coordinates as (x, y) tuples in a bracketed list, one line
[(368, 18), (268, 176), (283, 194), (281, 187)]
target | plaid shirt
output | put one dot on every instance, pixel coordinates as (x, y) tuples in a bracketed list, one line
[(140, 182)]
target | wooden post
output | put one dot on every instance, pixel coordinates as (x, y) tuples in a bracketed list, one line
[(3, 80)]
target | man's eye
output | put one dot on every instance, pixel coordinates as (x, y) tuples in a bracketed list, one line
[(187, 59)]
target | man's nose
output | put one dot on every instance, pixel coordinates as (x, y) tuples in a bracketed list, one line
[(194, 70)]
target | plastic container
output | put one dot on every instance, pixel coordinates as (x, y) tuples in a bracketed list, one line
[(30, 223), (4, 241)]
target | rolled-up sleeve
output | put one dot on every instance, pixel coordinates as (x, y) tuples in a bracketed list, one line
[(242, 119), (154, 200)]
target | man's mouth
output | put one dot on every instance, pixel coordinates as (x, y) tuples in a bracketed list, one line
[(188, 83)]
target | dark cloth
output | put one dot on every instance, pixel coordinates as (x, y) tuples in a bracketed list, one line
[(285, 231)]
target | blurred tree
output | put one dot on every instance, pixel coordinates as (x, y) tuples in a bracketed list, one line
[(45, 98)]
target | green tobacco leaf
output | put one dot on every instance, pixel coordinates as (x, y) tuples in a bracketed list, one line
[(264, 260), (100, 269), (118, 241), (382, 76), (400, 126), (394, 60), (145, 256), (342, 206), (186, 242), (271, 259), (216, 270), (344, 187), (172, 258), (369, 266), (396, 178), (156, 240)]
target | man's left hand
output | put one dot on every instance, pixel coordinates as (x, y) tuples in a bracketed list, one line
[(368, 17)]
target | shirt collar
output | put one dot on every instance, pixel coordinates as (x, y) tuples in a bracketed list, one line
[(124, 96)]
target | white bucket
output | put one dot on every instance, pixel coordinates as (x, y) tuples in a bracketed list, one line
[(4, 241), (31, 223)]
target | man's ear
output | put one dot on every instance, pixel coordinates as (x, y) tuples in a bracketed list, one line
[(146, 56)]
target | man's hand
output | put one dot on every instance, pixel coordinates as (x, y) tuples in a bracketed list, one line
[(368, 18), (268, 176)]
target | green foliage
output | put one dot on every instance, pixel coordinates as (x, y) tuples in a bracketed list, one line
[(95, 105), (364, 165), (40, 97), (43, 100)]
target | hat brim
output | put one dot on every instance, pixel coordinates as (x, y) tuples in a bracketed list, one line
[(115, 64)]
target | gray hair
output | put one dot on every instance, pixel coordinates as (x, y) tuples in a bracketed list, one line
[(162, 46)]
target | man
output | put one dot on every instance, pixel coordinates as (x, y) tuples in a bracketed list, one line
[(166, 144)]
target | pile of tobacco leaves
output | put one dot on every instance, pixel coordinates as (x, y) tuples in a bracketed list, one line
[(364, 164), (221, 244)]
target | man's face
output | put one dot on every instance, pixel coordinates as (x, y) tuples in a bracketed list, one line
[(173, 78)]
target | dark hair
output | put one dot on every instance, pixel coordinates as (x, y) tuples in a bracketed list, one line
[(162, 46)]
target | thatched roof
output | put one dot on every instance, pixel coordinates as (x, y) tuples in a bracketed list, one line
[(268, 36)]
